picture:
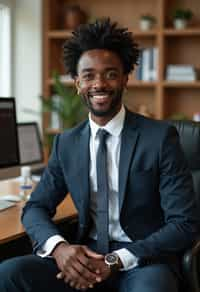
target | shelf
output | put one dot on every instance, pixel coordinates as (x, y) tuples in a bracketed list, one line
[(140, 33), (62, 34), (140, 83), (185, 32), (185, 84), (59, 34)]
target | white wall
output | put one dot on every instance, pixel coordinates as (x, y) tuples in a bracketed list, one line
[(27, 58), (7, 2), (6, 48)]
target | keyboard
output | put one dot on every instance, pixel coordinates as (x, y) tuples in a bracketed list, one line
[(5, 204)]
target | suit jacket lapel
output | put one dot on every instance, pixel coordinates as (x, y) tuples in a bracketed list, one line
[(83, 174), (128, 144)]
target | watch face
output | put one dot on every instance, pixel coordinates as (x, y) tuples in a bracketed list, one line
[(111, 258)]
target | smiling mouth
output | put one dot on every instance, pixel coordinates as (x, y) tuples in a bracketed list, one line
[(100, 96)]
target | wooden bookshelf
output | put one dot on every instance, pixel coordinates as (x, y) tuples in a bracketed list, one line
[(162, 98)]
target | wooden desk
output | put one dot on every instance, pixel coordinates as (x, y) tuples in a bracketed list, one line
[(11, 227)]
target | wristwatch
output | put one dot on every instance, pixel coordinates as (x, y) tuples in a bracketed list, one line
[(113, 261)]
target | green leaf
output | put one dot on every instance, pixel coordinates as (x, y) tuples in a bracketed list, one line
[(65, 102)]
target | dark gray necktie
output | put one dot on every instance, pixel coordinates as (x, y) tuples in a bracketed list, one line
[(102, 194)]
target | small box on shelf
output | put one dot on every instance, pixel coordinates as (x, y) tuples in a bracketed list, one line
[(182, 73)]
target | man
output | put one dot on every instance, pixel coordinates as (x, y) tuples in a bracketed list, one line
[(127, 176)]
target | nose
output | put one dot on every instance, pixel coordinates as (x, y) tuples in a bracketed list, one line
[(99, 82)]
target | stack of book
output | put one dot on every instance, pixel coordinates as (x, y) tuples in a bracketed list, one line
[(148, 64), (181, 73)]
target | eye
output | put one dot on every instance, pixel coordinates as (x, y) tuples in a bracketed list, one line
[(112, 74), (88, 76)]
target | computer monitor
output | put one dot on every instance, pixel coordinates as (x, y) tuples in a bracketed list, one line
[(30, 145), (9, 150)]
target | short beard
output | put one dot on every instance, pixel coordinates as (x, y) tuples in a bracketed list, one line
[(115, 102)]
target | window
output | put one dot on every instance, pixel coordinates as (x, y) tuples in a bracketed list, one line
[(5, 51)]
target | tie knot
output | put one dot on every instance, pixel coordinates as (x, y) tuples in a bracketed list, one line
[(102, 134)]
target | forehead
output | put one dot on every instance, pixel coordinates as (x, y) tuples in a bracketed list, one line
[(99, 59)]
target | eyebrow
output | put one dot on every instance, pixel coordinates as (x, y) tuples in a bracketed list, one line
[(91, 69)]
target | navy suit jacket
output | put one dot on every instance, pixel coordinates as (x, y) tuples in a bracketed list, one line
[(156, 197)]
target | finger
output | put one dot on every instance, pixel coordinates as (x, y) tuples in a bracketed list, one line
[(66, 279), (75, 273), (83, 288), (92, 254), (83, 259), (75, 277), (72, 284), (85, 273), (77, 286), (86, 263), (80, 287), (60, 276)]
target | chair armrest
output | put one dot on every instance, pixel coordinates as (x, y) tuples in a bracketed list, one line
[(191, 266)]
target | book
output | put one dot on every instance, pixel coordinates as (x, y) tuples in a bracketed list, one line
[(180, 69), (148, 63)]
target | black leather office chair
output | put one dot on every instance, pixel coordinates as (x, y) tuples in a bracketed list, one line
[(189, 133)]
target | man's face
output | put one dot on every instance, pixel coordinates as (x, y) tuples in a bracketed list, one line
[(100, 82)]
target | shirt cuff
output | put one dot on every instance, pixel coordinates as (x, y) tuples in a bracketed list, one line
[(49, 245), (128, 259)]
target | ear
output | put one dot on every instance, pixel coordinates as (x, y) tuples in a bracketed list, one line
[(77, 84), (125, 80)]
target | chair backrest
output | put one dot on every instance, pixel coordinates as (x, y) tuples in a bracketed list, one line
[(189, 133)]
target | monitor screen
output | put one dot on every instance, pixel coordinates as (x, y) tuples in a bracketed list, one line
[(9, 152), (30, 145)]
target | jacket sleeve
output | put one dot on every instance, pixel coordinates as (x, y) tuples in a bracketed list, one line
[(177, 201), (38, 211)]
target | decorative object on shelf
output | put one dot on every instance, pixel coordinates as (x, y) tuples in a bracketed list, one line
[(196, 117), (65, 106), (147, 21), (181, 18), (74, 16), (181, 73)]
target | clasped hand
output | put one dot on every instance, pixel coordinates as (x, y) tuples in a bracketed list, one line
[(80, 267)]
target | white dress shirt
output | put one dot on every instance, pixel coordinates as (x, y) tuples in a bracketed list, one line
[(114, 128)]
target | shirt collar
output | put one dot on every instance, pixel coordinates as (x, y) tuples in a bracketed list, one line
[(113, 127)]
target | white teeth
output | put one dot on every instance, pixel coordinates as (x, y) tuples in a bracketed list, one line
[(100, 96)]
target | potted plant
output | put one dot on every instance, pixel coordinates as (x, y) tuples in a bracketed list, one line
[(181, 18), (65, 106), (147, 21)]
